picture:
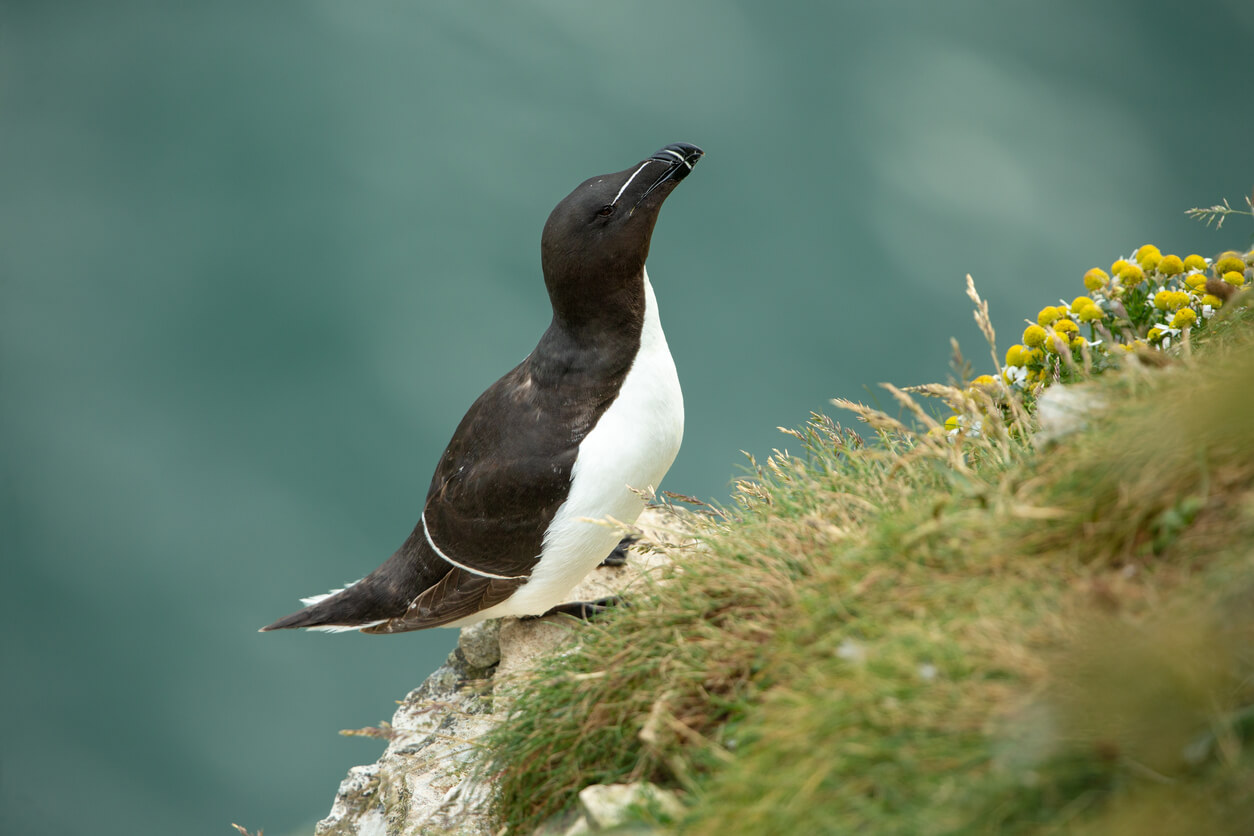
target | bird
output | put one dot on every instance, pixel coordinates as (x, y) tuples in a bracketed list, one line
[(572, 435)]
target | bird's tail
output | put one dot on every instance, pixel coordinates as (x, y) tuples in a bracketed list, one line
[(383, 594)]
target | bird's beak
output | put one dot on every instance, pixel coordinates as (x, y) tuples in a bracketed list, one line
[(679, 158)]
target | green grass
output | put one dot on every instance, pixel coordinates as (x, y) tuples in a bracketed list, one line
[(941, 634)]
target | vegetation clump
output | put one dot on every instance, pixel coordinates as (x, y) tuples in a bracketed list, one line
[(1146, 300), (952, 627)]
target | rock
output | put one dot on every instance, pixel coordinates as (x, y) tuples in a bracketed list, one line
[(356, 795), (424, 782), (480, 643), (420, 783), (606, 805), (1062, 410)]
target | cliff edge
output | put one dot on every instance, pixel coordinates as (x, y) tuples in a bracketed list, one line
[(425, 782)]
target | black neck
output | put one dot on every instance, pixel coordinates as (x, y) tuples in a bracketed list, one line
[(593, 336)]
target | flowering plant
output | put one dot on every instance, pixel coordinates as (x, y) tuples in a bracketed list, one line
[(1146, 301)]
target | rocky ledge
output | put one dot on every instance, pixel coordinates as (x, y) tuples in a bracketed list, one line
[(424, 783)]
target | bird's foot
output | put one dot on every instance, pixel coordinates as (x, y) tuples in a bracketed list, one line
[(583, 610), (618, 557)]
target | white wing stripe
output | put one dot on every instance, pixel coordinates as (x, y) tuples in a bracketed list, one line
[(427, 533)]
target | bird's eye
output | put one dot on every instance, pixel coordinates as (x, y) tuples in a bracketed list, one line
[(606, 210)]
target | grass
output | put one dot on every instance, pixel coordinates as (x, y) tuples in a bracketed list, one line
[(941, 633)]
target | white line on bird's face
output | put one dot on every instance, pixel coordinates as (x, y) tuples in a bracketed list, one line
[(629, 179)]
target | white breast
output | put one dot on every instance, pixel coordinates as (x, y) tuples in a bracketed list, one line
[(631, 446)]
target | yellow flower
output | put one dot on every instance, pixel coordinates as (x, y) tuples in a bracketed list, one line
[(982, 380), (1131, 274), (1195, 280), (1092, 313), (1049, 314), (1183, 318), (1169, 300), (1033, 356), (1233, 277), (1080, 303), (1057, 344), (1148, 257), (1213, 301), (1228, 263), (1154, 334), (1066, 326), (1014, 355), (951, 423), (1096, 279), (1195, 262), (1034, 336), (1171, 265), (1077, 341), (1118, 266)]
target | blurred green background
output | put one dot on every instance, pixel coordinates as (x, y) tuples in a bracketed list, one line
[(257, 258)]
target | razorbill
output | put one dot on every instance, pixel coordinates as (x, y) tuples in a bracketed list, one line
[(561, 440)]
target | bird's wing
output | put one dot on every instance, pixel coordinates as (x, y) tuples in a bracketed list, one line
[(457, 595), (500, 482)]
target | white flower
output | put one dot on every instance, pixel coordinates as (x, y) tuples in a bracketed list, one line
[(1167, 335), (973, 430)]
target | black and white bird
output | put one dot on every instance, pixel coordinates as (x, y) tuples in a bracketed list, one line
[(564, 439)]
